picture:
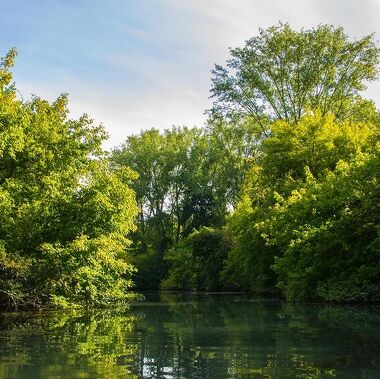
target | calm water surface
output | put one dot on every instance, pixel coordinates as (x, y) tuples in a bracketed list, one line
[(194, 336)]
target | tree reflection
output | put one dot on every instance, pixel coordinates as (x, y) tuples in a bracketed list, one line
[(70, 345), (195, 336)]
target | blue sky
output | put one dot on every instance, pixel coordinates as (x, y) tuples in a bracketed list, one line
[(134, 65)]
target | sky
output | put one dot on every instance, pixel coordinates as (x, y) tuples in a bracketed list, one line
[(134, 65)]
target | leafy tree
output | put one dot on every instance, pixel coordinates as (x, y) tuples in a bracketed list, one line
[(196, 261), (330, 235), (282, 73), (231, 149), (248, 265), (188, 179), (303, 90), (159, 161), (306, 212), (65, 217)]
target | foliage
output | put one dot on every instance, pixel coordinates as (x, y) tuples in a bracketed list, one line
[(281, 73), (196, 261), (312, 202), (332, 234), (279, 192), (307, 215), (188, 178), (65, 217), (248, 266)]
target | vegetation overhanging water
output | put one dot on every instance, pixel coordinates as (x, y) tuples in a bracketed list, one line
[(278, 193)]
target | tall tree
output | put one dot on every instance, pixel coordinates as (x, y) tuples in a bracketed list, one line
[(188, 179), (303, 90), (282, 73)]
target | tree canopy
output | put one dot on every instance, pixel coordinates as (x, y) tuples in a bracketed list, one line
[(188, 179), (281, 74), (288, 125), (64, 216), (278, 193)]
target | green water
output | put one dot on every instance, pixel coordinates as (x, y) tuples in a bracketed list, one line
[(194, 336)]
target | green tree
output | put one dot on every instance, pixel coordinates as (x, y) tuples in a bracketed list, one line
[(158, 159), (282, 73), (306, 211), (329, 233), (64, 216), (188, 179), (303, 90), (197, 261)]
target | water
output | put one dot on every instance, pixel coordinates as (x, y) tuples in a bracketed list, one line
[(194, 336)]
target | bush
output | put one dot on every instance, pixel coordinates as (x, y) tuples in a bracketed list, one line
[(197, 261)]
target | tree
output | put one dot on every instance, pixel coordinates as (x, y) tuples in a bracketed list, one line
[(188, 179), (330, 237), (281, 73), (197, 261), (64, 216), (159, 159), (309, 212)]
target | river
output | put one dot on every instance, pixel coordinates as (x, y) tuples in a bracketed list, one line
[(201, 336)]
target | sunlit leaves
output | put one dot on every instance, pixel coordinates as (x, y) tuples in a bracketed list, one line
[(64, 216), (281, 73)]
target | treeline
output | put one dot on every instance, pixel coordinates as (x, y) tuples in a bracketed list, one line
[(278, 193), (188, 179)]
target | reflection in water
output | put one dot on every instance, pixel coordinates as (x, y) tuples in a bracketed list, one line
[(195, 336)]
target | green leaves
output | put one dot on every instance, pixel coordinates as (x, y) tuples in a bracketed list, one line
[(188, 179), (311, 212), (87, 271), (197, 261), (289, 161), (329, 235), (281, 73), (64, 217), (6, 63)]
